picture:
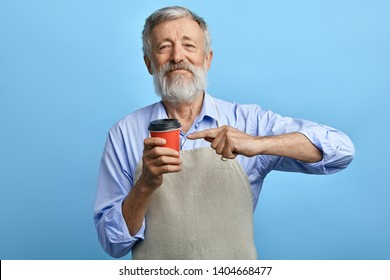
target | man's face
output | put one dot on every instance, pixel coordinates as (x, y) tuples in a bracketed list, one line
[(179, 40), (178, 61)]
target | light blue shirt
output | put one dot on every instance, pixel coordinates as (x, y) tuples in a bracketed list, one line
[(124, 148)]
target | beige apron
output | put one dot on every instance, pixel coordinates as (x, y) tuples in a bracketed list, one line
[(203, 212)]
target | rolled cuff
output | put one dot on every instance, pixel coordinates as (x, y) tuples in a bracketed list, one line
[(337, 148), (117, 240)]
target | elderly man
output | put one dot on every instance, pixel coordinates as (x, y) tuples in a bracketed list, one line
[(197, 203)]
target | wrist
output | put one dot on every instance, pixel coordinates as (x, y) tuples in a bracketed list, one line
[(266, 145), (259, 147), (143, 187)]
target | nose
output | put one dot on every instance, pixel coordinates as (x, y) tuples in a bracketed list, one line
[(177, 54)]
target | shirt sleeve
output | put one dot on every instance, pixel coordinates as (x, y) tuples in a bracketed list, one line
[(337, 148), (114, 184)]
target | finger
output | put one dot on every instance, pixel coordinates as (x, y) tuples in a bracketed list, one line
[(152, 170), (162, 164), (170, 169), (219, 141), (166, 160), (156, 142), (156, 152), (151, 142), (208, 133), (227, 152), (223, 144), (218, 144)]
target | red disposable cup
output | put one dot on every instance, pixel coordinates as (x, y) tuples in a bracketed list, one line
[(169, 129)]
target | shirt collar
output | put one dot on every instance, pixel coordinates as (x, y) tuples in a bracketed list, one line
[(208, 110)]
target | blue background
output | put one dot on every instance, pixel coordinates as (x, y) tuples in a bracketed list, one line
[(70, 69)]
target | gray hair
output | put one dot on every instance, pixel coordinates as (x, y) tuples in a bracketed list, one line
[(167, 14)]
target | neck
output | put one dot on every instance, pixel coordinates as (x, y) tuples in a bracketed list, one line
[(186, 113)]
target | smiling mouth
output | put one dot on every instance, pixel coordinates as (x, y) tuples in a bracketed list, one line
[(179, 70)]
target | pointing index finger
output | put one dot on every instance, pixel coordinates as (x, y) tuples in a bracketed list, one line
[(208, 133)]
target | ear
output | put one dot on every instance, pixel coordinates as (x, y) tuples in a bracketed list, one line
[(209, 58), (148, 64)]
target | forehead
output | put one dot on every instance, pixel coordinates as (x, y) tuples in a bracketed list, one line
[(177, 29)]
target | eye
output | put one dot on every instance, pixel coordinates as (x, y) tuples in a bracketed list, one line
[(164, 47), (189, 45)]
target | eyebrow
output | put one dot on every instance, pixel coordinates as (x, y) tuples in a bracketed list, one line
[(188, 38), (167, 39), (164, 40)]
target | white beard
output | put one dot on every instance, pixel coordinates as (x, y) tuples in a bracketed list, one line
[(178, 88)]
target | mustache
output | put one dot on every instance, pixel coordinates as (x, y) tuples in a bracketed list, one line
[(170, 66)]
